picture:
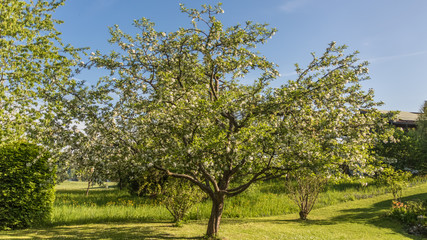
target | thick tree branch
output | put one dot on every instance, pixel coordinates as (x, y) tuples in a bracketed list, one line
[(209, 177), (192, 179)]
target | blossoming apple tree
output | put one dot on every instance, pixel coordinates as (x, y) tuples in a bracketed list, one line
[(35, 69), (181, 102)]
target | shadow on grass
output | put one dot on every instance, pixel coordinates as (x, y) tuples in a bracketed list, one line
[(373, 215), (107, 220), (152, 229), (101, 231)]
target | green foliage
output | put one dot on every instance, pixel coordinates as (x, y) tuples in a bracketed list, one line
[(402, 150), (178, 196), (27, 185), (422, 137), (405, 149), (183, 104), (350, 220), (112, 205), (396, 180), (413, 214), (35, 68), (148, 183)]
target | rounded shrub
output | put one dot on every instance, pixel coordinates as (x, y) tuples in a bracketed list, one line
[(27, 185), (148, 184)]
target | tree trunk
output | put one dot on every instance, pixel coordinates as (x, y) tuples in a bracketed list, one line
[(120, 184), (216, 213), (88, 187), (303, 215)]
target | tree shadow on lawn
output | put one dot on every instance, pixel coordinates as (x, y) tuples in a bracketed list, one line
[(109, 220), (97, 231), (373, 215)]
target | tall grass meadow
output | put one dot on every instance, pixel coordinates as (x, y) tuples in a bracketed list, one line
[(263, 199)]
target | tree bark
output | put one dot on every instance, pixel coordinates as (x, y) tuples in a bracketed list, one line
[(303, 215), (88, 187), (216, 213)]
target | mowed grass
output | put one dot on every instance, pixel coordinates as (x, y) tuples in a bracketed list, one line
[(113, 214)]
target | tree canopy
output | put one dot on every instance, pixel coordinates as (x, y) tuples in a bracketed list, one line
[(180, 102), (422, 138), (35, 68)]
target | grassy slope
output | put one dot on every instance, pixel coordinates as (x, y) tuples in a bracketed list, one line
[(361, 219)]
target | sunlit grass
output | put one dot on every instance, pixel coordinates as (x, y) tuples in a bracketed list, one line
[(261, 200), (102, 205), (359, 219)]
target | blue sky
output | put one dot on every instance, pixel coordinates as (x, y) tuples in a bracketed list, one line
[(390, 34)]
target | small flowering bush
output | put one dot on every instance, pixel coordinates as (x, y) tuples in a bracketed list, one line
[(413, 214), (178, 196), (304, 189), (396, 180)]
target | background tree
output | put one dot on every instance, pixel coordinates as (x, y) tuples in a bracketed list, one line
[(402, 150), (422, 137), (35, 69), (181, 102)]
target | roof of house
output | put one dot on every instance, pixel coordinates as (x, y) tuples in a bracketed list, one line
[(405, 116)]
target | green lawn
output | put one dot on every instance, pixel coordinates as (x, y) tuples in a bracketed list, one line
[(359, 219)]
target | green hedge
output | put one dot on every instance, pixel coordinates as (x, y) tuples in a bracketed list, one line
[(27, 185)]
